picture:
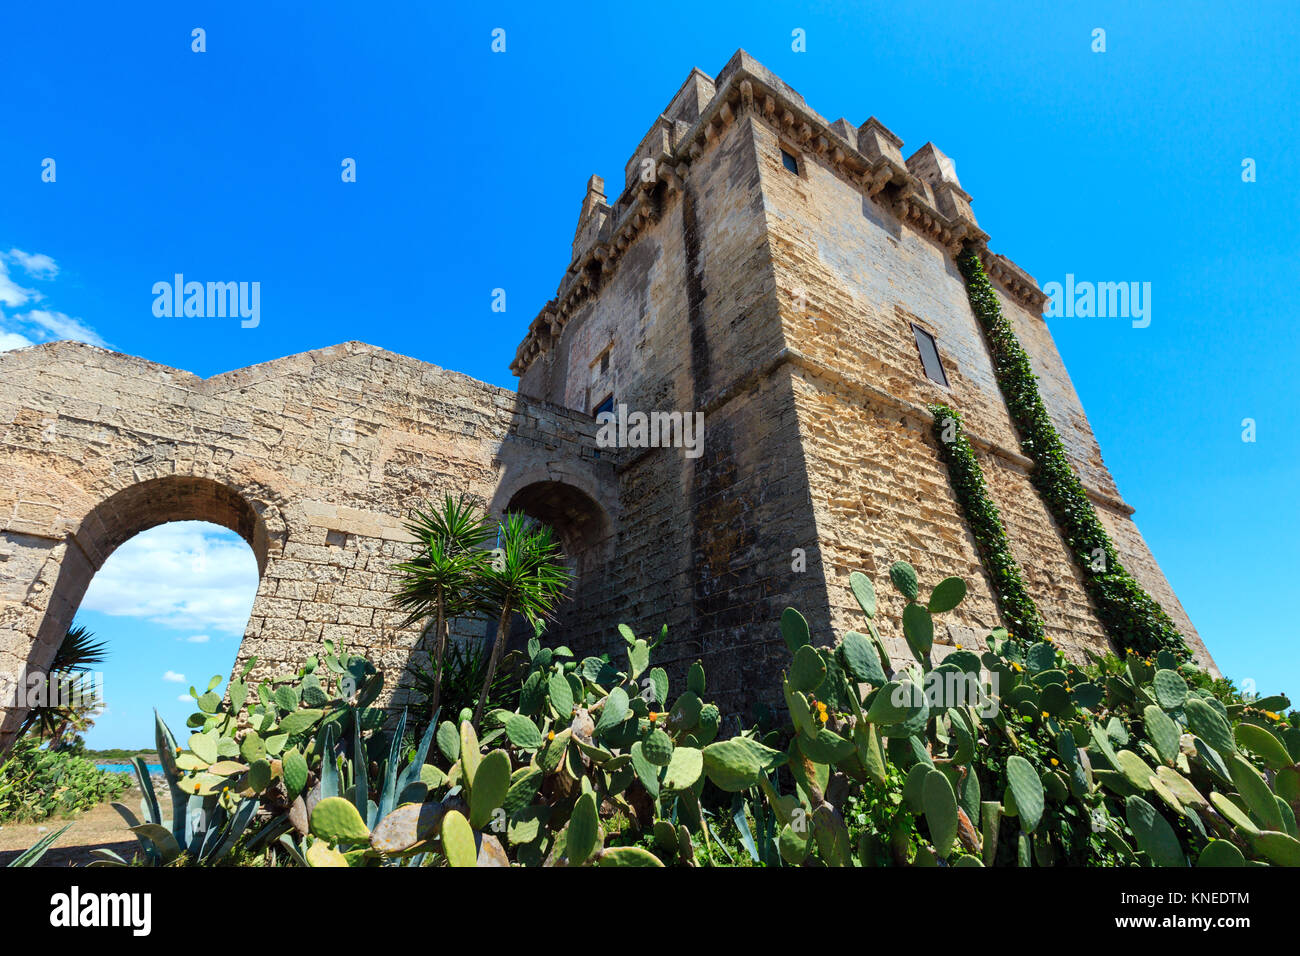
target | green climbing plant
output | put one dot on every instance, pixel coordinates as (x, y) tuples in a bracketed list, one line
[(1133, 619), (1017, 607)]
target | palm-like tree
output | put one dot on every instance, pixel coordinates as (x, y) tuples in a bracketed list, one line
[(444, 581), (70, 703), (527, 575)]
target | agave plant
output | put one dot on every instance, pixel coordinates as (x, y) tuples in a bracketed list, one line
[(32, 856), (204, 828), (527, 576), (459, 678), (348, 828), (444, 579)]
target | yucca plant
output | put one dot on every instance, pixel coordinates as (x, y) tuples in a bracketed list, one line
[(527, 576), (445, 578)]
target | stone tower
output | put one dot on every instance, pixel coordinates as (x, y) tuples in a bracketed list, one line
[(782, 274), (790, 279)]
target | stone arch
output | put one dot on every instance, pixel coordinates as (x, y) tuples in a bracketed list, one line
[(580, 522), (574, 505), (120, 516)]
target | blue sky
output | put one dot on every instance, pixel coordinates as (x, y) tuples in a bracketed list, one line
[(1123, 165)]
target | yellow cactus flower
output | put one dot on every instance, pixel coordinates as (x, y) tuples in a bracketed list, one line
[(1055, 762), (823, 717), (551, 735), (654, 715), (958, 646), (1046, 714)]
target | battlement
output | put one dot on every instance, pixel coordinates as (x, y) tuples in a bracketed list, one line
[(922, 191)]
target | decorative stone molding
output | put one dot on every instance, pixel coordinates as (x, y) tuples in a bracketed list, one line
[(921, 191)]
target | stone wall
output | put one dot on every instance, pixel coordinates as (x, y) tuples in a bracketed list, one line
[(314, 459), (689, 319), (803, 314), (779, 303)]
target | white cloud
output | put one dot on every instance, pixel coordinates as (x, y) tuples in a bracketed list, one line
[(174, 677), (11, 293), (187, 576), (56, 325), (196, 639), (185, 699), (20, 330), (37, 265), (12, 340)]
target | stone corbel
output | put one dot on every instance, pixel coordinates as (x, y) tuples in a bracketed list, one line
[(668, 175), (746, 95)]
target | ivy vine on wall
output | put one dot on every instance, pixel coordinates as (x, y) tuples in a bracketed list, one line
[(1019, 612), (1133, 619)]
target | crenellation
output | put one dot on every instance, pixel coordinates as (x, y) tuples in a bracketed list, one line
[(783, 297)]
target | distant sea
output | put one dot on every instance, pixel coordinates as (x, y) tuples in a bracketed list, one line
[(153, 768)]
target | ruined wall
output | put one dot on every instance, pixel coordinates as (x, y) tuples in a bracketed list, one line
[(315, 459)]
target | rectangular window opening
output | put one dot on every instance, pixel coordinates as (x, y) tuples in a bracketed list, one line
[(790, 161), (605, 406), (925, 344)]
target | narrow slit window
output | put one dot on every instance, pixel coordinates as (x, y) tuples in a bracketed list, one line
[(790, 161), (925, 344)]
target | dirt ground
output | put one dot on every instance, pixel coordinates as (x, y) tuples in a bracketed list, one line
[(97, 827)]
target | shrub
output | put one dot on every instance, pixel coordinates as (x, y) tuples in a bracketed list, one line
[(37, 783), (1010, 755), (1018, 756)]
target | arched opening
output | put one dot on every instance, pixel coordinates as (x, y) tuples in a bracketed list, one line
[(584, 530), (115, 522), (171, 607), (580, 522)]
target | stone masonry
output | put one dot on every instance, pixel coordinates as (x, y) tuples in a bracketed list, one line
[(314, 459), (767, 266), (760, 265)]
